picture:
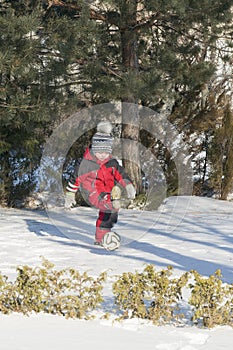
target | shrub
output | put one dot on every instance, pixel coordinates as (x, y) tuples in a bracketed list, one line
[(66, 292), (166, 292), (212, 300), (150, 294), (130, 290)]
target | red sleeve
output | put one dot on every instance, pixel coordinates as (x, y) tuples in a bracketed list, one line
[(121, 176), (73, 184)]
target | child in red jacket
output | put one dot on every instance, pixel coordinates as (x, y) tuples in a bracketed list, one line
[(96, 177)]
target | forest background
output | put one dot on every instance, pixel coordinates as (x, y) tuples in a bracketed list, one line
[(172, 56)]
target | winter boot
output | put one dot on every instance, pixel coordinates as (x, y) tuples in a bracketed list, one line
[(99, 234)]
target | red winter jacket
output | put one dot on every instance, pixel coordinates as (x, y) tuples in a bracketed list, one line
[(96, 178)]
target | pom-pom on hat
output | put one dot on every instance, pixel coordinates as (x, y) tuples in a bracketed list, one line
[(102, 141)]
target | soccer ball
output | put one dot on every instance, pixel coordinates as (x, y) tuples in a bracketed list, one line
[(111, 240)]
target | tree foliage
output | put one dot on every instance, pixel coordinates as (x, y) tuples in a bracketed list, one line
[(59, 56)]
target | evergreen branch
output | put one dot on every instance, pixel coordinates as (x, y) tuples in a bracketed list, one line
[(147, 22), (78, 82), (23, 108), (197, 38), (112, 72), (82, 62), (93, 14)]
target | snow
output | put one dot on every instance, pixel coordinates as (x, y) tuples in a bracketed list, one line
[(186, 232)]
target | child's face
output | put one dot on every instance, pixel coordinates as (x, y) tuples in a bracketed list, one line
[(102, 155)]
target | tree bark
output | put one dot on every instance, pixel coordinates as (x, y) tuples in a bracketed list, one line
[(130, 143), (130, 114)]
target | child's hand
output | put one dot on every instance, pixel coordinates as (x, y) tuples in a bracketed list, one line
[(115, 193), (116, 204), (131, 192), (116, 197), (70, 200)]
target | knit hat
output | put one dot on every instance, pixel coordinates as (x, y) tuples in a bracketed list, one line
[(102, 141)]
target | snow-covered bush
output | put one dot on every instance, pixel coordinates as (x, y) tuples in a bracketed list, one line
[(156, 296), (212, 300), (151, 294), (44, 289)]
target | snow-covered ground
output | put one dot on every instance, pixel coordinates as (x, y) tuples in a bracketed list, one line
[(186, 232)]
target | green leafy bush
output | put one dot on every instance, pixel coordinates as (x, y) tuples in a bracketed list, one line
[(212, 300), (65, 292), (166, 292), (156, 296), (130, 290), (149, 294)]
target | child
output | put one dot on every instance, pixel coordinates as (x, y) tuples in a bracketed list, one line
[(96, 177)]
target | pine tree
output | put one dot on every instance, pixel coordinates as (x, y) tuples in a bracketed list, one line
[(146, 52), (31, 95), (58, 56)]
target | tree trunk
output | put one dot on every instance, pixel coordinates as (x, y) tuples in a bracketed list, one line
[(130, 143), (130, 115)]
